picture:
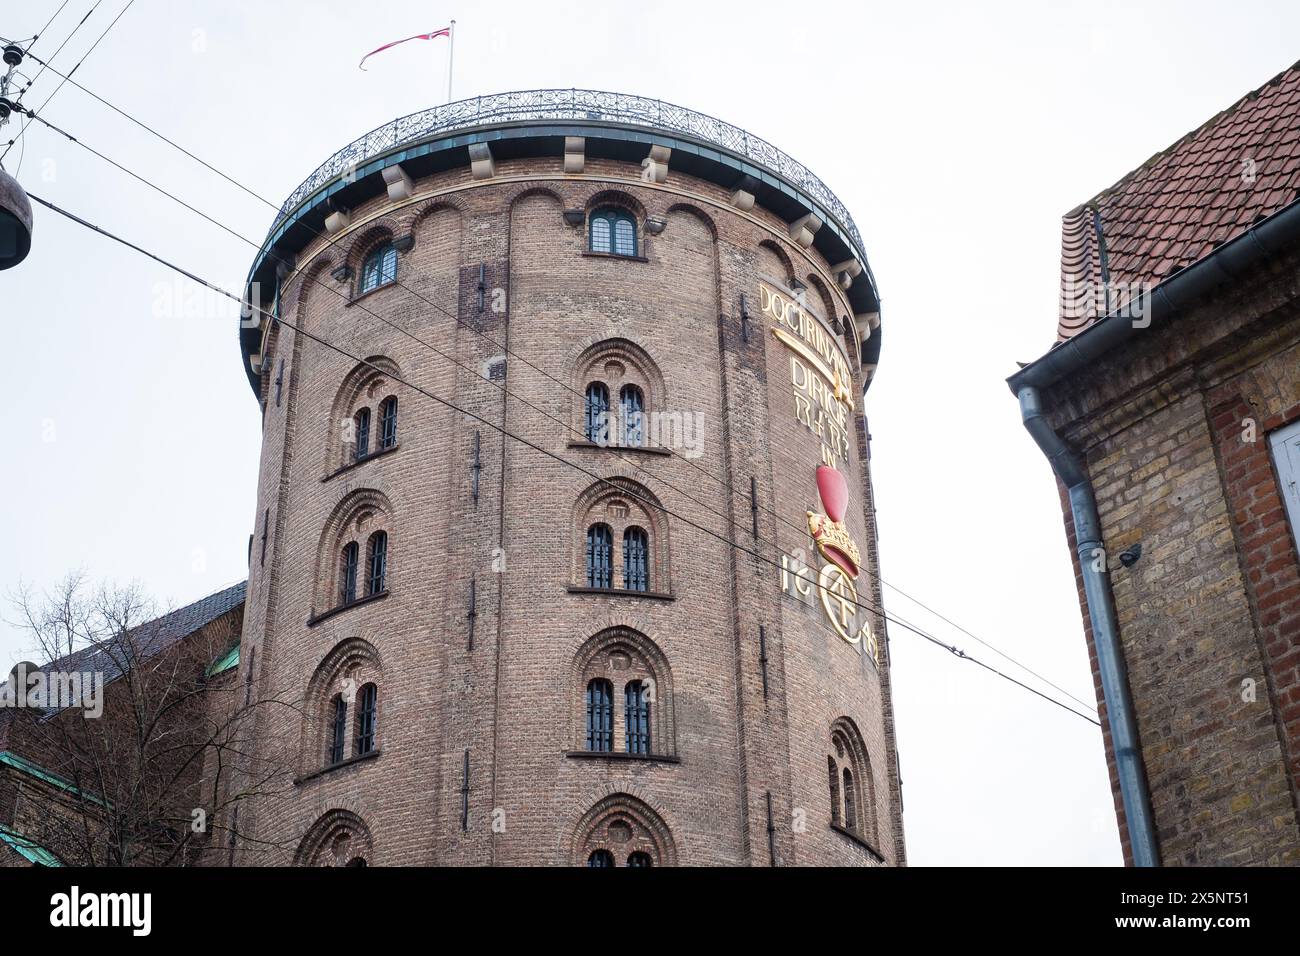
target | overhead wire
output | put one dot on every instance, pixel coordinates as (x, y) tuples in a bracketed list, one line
[(505, 433), (733, 491)]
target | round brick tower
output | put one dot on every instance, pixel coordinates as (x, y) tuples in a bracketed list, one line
[(540, 358)]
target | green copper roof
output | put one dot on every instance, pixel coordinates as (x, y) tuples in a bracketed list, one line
[(31, 852), (34, 770), (229, 661)]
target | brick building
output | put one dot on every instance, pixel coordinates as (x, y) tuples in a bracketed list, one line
[(529, 365), (1170, 410), (83, 790)]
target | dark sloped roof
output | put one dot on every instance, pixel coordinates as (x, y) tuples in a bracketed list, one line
[(1183, 203), (159, 634)]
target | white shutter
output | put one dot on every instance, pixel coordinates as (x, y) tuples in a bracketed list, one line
[(1286, 454)]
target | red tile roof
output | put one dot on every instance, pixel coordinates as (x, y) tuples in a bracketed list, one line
[(1183, 203)]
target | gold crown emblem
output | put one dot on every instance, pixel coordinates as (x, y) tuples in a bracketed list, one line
[(834, 543)]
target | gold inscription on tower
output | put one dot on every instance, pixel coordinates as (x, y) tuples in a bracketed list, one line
[(819, 373)]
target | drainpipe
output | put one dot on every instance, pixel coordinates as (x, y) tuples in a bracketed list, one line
[(1105, 630)]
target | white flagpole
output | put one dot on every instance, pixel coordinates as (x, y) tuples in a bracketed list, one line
[(451, 55)]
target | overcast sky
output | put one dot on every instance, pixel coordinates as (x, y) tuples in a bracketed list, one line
[(956, 133)]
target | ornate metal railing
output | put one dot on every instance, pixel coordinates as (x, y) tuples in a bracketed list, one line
[(579, 105)]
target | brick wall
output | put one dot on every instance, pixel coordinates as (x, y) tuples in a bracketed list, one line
[(1209, 616)]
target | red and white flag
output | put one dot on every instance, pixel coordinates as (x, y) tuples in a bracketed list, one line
[(444, 32)]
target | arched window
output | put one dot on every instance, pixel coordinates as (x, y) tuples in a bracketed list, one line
[(852, 789), (367, 711), (850, 808), (361, 425), (613, 231), (626, 515), (622, 389), (643, 727), (379, 267), (596, 416), (338, 730), (342, 716), (636, 560), (631, 402), (339, 838), (622, 827), (348, 573), (600, 556), (636, 717), (600, 716), (377, 563), (357, 423), (388, 422)]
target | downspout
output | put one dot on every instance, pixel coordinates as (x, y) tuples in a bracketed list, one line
[(1105, 630)]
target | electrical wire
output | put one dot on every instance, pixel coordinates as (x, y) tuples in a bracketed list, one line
[(54, 17), (330, 242), (505, 433), (66, 77)]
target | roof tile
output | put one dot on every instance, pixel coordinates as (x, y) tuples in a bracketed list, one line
[(1207, 188)]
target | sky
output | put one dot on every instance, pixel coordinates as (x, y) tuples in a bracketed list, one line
[(957, 134)]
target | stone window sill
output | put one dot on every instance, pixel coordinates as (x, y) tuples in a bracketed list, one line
[(361, 461), (361, 295), (349, 762), (613, 255), (618, 755), (643, 449), (621, 592), (325, 615), (852, 837)]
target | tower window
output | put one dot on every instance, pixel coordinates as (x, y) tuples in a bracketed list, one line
[(636, 716), (631, 402), (613, 231), (636, 560), (850, 808), (338, 730), (348, 573), (600, 558), (367, 710), (833, 772), (361, 422), (596, 415), (600, 716), (378, 563), (388, 422), (379, 268), (639, 858), (600, 858)]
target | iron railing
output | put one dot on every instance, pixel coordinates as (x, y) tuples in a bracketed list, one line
[(572, 104)]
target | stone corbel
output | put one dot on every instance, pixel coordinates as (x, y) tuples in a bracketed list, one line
[(845, 272), (654, 168), (482, 165), (804, 228), (398, 182), (337, 221), (575, 153), (866, 322), (742, 197)]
